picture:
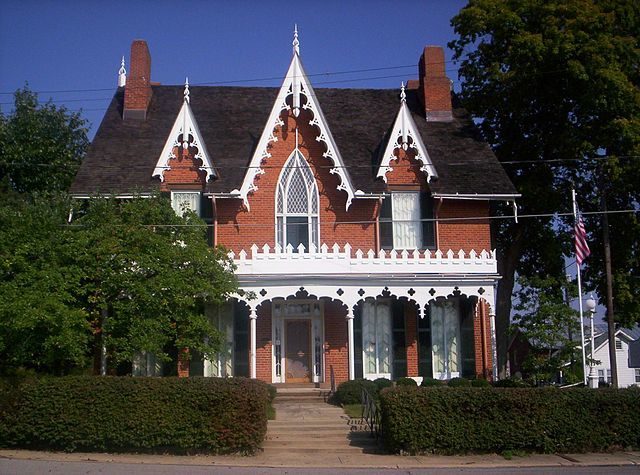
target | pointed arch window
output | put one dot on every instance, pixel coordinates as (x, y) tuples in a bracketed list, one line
[(297, 205)]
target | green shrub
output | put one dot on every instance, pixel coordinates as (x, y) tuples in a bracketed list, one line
[(428, 382), (382, 383), (406, 382), (350, 392), (121, 414), (510, 383), (463, 420), (480, 383), (459, 383), (273, 391)]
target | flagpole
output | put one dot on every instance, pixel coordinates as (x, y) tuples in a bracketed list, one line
[(584, 357)]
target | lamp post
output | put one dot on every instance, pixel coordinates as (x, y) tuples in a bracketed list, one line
[(593, 375)]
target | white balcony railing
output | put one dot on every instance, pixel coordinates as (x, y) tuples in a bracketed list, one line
[(336, 260)]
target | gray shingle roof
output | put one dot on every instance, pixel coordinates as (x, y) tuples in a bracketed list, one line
[(123, 154)]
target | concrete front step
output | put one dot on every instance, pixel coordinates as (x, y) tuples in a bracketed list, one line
[(311, 426), (328, 446), (344, 438)]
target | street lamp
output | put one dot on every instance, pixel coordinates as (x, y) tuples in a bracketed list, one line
[(593, 376)]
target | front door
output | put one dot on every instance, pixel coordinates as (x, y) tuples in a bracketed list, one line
[(298, 351)]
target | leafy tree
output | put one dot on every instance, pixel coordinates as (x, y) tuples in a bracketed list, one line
[(41, 146), (149, 269), (550, 326), (552, 84), (41, 324), (153, 272)]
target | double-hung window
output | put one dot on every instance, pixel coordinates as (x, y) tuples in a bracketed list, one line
[(406, 221), (183, 201)]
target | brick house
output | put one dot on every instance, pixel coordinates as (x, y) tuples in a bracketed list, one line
[(358, 218)]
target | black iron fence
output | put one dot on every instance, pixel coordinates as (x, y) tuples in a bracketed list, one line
[(371, 414)]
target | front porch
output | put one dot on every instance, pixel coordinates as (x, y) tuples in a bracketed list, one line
[(308, 317)]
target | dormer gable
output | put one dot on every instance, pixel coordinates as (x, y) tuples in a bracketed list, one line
[(186, 134), (296, 93), (405, 135)]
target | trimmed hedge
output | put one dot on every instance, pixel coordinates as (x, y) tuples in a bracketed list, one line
[(119, 414), (406, 382), (487, 420), (459, 383), (428, 382), (350, 392)]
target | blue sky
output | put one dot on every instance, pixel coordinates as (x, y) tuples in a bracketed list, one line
[(76, 46)]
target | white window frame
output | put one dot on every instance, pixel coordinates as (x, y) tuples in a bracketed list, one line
[(300, 165), (175, 201), (618, 343)]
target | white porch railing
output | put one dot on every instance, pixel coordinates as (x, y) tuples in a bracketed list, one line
[(336, 260)]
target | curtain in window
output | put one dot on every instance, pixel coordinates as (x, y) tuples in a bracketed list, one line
[(185, 201), (376, 338), (445, 330), (222, 318), (407, 228)]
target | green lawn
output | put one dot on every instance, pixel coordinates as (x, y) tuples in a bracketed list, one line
[(353, 410)]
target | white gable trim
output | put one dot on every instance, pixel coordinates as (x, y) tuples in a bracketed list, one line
[(404, 128), (184, 121), (296, 83)]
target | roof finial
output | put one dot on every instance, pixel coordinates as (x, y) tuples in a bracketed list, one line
[(122, 74), (296, 43), (186, 89), (403, 95)]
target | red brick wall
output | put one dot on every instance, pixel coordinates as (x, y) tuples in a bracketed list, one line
[(137, 93), (482, 340), (411, 329), (463, 234), (263, 343), (406, 171), (183, 363), (183, 172), (239, 229), (336, 345)]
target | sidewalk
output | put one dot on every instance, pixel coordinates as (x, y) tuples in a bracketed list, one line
[(341, 460)]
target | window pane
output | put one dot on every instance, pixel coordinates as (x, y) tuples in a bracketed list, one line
[(298, 232), (428, 227), (185, 201), (297, 199), (407, 229)]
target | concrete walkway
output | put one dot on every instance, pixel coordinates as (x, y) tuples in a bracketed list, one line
[(310, 433)]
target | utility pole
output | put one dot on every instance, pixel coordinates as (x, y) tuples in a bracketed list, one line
[(607, 265)]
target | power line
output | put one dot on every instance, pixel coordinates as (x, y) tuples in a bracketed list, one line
[(330, 167), (372, 222), (248, 80)]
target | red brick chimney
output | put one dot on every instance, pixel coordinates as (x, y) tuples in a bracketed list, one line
[(435, 86), (137, 92)]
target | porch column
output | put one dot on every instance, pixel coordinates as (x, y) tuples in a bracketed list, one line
[(253, 316), (494, 353), (352, 363)]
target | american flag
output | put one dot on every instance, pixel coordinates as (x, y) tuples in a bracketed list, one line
[(582, 248)]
